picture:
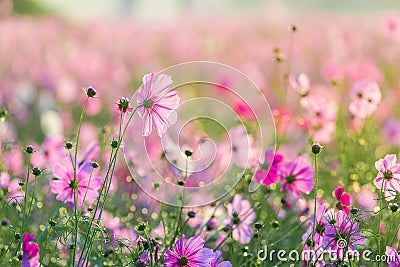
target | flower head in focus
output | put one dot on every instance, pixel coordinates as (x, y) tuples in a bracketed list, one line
[(64, 185), (388, 178), (30, 251), (156, 104), (191, 254), (124, 105), (297, 176)]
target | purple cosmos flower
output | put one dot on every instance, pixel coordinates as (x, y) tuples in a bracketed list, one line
[(268, 170), (341, 232), (241, 216), (191, 254), (143, 260), (30, 251), (215, 262), (344, 200), (297, 176), (64, 185), (157, 104), (393, 258), (388, 178)]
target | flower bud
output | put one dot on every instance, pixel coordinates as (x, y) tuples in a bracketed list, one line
[(188, 153), (394, 207), (258, 225), (36, 171), (316, 148), (90, 92), (191, 214), (29, 150), (68, 145), (114, 144)]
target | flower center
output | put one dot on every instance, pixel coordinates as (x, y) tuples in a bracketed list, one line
[(290, 179), (148, 103), (320, 229), (387, 175), (183, 261), (74, 184)]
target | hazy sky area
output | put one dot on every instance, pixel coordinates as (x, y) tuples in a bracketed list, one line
[(161, 9)]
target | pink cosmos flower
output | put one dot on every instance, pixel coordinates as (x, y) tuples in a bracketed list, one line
[(30, 251), (241, 216), (14, 194), (365, 98), (344, 200), (268, 170), (393, 258), (191, 254), (297, 176), (343, 228), (320, 226), (63, 186), (388, 178), (300, 83), (243, 152), (157, 105)]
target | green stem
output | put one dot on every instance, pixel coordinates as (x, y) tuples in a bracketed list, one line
[(315, 197), (74, 164)]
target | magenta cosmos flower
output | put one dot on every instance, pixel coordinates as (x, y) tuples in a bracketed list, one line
[(241, 216), (393, 258), (30, 251), (157, 104), (268, 171), (344, 200), (341, 232), (191, 254), (63, 186), (388, 178), (297, 176)]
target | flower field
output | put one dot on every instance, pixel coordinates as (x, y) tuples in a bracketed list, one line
[(254, 142)]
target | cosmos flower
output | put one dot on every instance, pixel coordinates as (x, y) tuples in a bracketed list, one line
[(241, 216), (30, 251), (243, 152), (341, 232), (215, 262), (14, 194), (63, 186), (191, 254), (267, 173), (157, 104), (388, 178), (393, 257), (300, 83), (297, 176), (365, 98), (320, 226), (343, 199)]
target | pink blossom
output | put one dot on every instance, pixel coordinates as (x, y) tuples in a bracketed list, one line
[(343, 199), (30, 251), (243, 152), (14, 194), (391, 132), (268, 171), (388, 178), (216, 261), (393, 257), (365, 98), (241, 216), (157, 105), (297, 176), (63, 186), (300, 83), (343, 228), (191, 254)]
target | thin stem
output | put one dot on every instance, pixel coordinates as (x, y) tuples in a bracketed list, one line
[(31, 202), (315, 196), (74, 164), (24, 223), (380, 219)]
